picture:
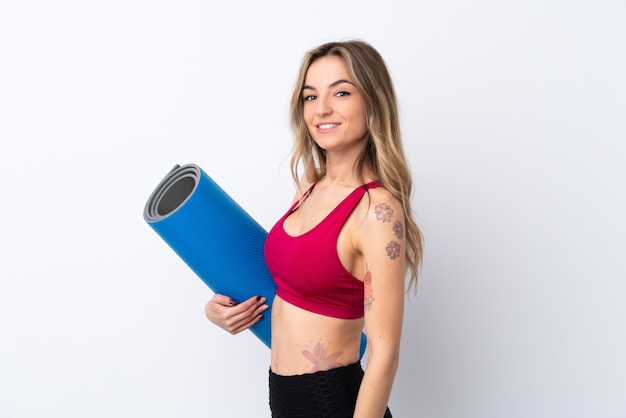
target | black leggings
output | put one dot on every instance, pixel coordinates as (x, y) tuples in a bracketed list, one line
[(324, 394)]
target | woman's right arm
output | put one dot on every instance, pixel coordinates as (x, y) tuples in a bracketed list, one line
[(234, 317)]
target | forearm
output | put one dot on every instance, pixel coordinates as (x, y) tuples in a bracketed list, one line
[(375, 388)]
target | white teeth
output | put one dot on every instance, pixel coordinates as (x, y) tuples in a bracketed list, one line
[(327, 125)]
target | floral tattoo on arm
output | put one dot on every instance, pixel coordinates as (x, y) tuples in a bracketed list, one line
[(384, 213), (393, 250), (398, 229)]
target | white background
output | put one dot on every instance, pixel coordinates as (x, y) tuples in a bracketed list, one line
[(513, 116)]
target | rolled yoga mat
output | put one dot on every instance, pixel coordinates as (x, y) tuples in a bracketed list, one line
[(215, 237)]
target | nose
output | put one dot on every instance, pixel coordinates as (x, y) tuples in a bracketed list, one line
[(323, 107)]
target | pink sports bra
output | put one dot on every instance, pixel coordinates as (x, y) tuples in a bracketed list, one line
[(307, 269)]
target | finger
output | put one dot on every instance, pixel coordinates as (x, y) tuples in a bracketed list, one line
[(246, 308), (247, 318), (244, 326), (223, 300), (251, 303), (261, 308)]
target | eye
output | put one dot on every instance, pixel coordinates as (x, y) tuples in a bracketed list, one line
[(309, 98), (342, 93)]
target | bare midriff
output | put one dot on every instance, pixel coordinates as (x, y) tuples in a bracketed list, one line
[(306, 342)]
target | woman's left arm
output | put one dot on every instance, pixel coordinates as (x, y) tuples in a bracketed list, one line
[(382, 245)]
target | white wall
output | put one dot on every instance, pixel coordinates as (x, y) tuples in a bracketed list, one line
[(513, 115)]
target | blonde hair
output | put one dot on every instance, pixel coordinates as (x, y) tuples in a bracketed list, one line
[(384, 153)]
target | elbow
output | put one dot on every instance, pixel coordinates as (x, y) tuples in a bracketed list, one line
[(394, 363), (388, 359)]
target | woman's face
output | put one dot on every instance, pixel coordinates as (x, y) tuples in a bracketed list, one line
[(334, 110)]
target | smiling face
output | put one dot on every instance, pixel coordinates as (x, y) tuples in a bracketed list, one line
[(334, 109)]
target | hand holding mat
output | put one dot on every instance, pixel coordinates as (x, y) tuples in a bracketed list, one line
[(215, 237)]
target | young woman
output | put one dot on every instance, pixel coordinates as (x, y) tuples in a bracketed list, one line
[(340, 254)]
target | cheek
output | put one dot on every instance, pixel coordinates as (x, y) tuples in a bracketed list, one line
[(362, 122), (360, 116), (308, 113)]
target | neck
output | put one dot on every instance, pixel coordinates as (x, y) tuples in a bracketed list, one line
[(341, 172)]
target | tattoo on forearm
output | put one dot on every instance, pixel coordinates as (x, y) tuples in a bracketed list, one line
[(320, 360), (383, 212), (393, 250), (368, 292)]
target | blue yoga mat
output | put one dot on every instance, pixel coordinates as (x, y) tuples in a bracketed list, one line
[(215, 237)]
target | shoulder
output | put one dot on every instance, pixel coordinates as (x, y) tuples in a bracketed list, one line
[(301, 188), (382, 217), (304, 185), (382, 234), (382, 206)]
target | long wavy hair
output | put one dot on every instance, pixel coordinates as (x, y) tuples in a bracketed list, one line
[(383, 154)]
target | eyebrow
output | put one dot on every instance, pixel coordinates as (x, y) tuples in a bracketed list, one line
[(333, 84)]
